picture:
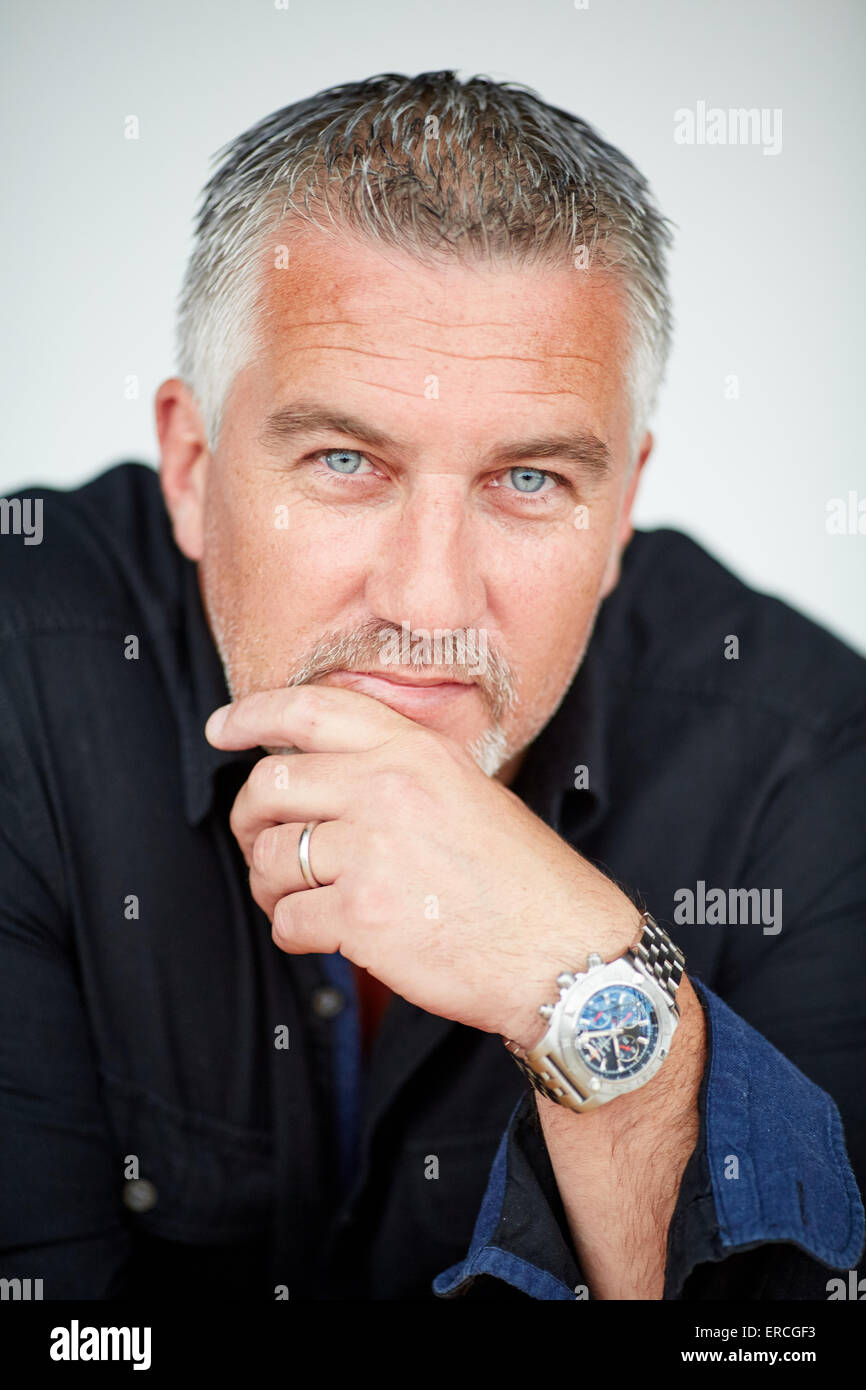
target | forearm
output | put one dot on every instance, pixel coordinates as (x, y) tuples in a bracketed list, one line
[(618, 1168)]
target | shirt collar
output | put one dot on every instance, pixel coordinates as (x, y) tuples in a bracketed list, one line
[(571, 748), (573, 737)]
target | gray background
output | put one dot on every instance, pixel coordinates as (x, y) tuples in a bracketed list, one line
[(768, 269)]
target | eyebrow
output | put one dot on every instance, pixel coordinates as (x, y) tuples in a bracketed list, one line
[(285, 424), (581, 447)]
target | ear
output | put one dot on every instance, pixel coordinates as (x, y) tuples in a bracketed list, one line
[(625, 530), (185, 457)]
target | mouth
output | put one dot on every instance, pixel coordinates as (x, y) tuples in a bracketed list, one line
[(411, 695)]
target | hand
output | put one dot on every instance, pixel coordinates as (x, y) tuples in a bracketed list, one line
[(436, 878)]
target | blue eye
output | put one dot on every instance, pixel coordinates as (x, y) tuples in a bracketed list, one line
[(527, 479), (343, 460)]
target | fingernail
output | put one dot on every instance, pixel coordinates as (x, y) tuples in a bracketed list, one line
[(214, 726)]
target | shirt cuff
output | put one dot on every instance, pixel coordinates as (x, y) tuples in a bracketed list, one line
[(769, 1177), (520, 1236)]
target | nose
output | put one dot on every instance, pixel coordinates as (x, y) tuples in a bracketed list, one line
[(427, 571)]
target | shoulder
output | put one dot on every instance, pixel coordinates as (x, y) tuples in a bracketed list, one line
[(83, 558), (680, 620)]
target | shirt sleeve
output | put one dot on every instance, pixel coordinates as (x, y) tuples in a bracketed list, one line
[(770, 1203), (767, 1207), (60, 1211)]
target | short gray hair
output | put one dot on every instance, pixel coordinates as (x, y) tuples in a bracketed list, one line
[(435, 166)]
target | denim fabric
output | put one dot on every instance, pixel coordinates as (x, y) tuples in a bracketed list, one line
[(772, 1144)]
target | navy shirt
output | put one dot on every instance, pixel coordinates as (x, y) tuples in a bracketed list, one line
[(184, 1111)]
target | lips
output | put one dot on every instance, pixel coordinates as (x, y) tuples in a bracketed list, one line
[(414, 697), (417, 681)]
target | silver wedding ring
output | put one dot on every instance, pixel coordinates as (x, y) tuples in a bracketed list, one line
[(304, 855)]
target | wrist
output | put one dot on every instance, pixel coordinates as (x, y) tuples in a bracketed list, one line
[(610, 934), (611, 1029)]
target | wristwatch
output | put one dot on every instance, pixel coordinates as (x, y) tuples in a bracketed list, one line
[(612, 1026)]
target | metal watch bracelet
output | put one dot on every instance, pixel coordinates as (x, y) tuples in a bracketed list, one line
[(656, 956)]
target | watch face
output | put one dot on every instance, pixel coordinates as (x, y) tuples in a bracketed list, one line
[(617, 1031)]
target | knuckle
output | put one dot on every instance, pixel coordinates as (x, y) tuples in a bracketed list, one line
[(406, 790), (265, 848), (260, 894), (281, 924), (370, 901), (263, 778), (235, 820), (394, 785), (380, 845)]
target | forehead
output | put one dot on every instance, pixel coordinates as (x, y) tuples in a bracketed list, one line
[(443, 345)]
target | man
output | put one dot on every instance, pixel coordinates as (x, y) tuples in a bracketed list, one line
[(480, 752)]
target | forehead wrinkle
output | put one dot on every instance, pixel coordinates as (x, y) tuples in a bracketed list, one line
[(401, 318), (527, 391), (473, 323), (515, 391), (341, 347), (445, 352), (381, 386), (506, 356), (426, 347), (325, 323)]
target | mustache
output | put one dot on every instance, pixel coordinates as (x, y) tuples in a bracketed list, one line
[(362, 649)]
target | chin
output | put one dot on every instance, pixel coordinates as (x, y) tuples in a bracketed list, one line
[(490, 750)]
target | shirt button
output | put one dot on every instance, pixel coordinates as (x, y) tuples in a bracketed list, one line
[(328, 1002), (139, 1195)]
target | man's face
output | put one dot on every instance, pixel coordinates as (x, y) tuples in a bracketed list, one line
[(416, 450)]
